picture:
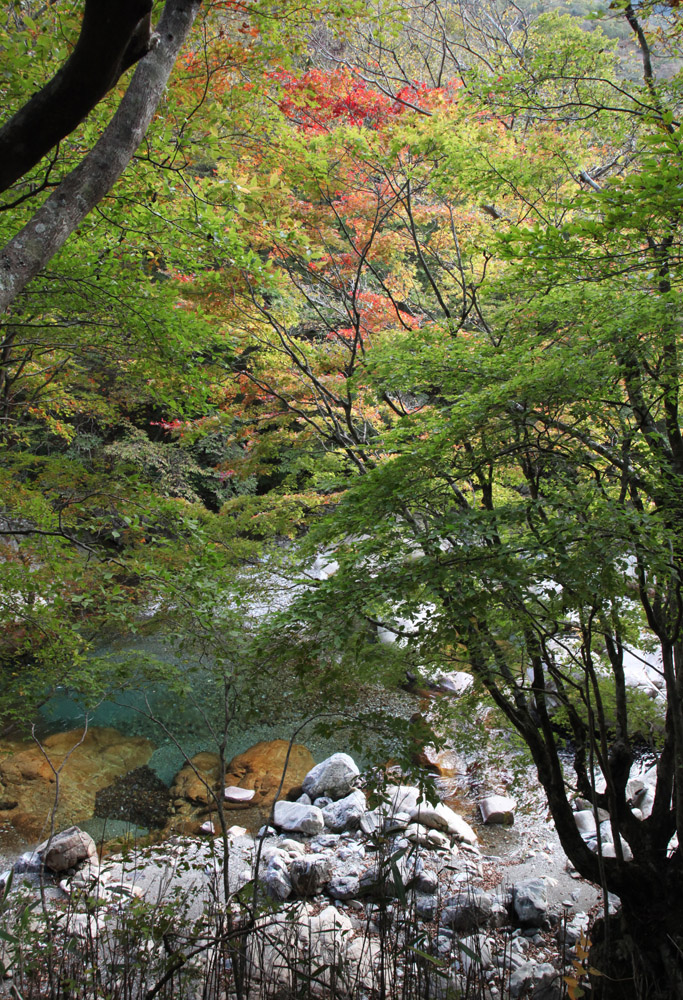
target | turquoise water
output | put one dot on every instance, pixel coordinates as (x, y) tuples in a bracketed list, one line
[(178, 726)]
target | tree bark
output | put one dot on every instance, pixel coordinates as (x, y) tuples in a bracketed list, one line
[(45, 234), (114, 35)]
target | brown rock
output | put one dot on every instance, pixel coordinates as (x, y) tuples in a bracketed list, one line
[(258, 769), (27, 778)]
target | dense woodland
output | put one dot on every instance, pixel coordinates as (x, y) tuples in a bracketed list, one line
[(395, 283)]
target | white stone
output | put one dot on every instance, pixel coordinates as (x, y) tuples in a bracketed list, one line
[(498, 809), (442, 817), (233, 793), (455, 682), (298, 819), (585, 822)]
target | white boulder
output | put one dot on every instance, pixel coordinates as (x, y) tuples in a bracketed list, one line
[(295, 818), (334, 777)]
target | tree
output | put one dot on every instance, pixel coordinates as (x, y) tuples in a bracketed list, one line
[(520, 483)]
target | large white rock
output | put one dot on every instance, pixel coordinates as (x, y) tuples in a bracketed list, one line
[(455, 682), (335, 777), (442, 817), (498, 809), (585, 822), (400, 799), (296, 818), (530, 901), (345, 814)]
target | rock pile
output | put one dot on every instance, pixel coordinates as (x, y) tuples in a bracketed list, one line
[(341, 882)]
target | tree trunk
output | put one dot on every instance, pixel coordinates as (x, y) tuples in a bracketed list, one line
[(31, 249), (114, 35), (640, 950)]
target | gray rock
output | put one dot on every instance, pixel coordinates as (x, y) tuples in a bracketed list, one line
[(498, 809), (401, 799), (309, 874), (396, 822), (530, 902), (67, 849), (426, 882), (345, 814), (527, 975), (322, 801), (467, 910), (28, 863), (425, 906), (377, 884), (585, 822), (335, 777), (370, 822), (473, 953), (304, 800), (324, 841), (550, 987), (343, 887), (297, 818), (276, 878)]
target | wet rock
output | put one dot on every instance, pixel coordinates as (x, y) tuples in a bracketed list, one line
[(95, 760), (258, 769), (309, 874), (139, 796), (335, 777)]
